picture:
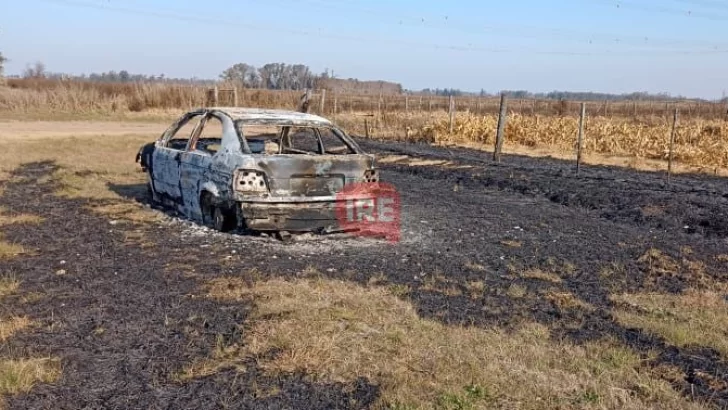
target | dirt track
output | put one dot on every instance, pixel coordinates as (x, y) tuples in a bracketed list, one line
[(454, 219), (58, 129)]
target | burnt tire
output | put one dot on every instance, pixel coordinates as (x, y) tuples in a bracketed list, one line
[(223, 220), (216, 217)]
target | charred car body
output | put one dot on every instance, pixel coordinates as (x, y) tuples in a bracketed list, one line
[(264, 170)]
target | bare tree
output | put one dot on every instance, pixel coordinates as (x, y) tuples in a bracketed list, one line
[(38, 70)]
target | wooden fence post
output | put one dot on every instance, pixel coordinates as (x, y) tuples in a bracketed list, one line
[(406, 103), (235, 96), (672, 146), (502, 117), (212, 97), (335, 104), (580, 139), (323, 101), (451, 113)]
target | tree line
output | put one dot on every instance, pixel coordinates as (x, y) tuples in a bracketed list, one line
[(281, 76)]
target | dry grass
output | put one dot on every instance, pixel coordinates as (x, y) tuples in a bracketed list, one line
[(9, 327), (10, 250), (90, 167), (539, 274), (8, 284), (567, 301), (19, 376), (339, 331), (511, 243), (10, 218), (657, 264), (697, 318)]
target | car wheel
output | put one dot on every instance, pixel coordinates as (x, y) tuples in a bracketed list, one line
[(222, 220)]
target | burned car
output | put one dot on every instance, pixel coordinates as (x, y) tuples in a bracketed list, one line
[(262, 170)]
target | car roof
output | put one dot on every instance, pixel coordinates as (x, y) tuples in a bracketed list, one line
[(262, 116)]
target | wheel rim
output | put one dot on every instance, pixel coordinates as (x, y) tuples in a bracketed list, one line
[(218, 219)]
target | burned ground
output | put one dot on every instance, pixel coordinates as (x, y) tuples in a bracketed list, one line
[(491, 245)]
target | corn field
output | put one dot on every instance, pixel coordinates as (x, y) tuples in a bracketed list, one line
[(697, 142)]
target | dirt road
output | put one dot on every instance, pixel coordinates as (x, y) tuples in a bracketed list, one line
[(37, 130)]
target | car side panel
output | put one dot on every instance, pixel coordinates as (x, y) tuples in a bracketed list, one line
[(193, 169), (166, 172)]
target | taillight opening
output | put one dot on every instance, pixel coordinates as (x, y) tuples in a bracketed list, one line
[(371, 175), (250, 181)]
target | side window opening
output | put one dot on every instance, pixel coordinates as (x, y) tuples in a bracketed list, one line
[(181, 136), (262, 139), (300, 140), (210, 136), (332, 143)]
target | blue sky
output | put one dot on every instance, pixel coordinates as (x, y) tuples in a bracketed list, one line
[(675, 46)]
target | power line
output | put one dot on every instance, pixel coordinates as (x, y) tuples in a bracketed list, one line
[(711, 4), (318, 33), (511, 30), (621, 4)]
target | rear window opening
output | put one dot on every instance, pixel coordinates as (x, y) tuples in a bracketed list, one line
[(275, 139)]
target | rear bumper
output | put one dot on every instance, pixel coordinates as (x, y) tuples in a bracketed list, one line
[(291, 216)]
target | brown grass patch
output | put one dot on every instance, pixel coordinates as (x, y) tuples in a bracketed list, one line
[(128, 211), (90, 166), (511, 244), (19, 376), (10, 218), (8, 284), (693, 318), (567, 301), (9, 327), (340, 331), (9, 250), (476, 267), (539, 274), (658, 265), (476, 289)]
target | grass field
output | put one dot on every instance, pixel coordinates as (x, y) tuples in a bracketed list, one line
[(516, 285), (507, 320)]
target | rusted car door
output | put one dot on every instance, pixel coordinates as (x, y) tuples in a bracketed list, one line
[(168, 154), (195, 162)]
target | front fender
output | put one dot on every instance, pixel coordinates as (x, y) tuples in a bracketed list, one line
[(210, 187)]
